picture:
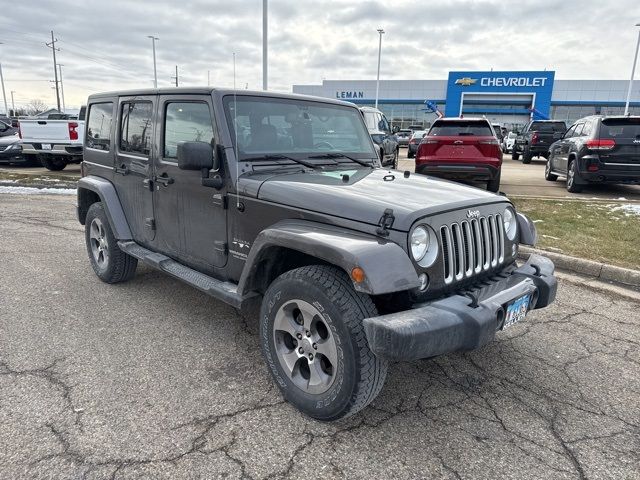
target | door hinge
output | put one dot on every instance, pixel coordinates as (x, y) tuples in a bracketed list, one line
[(220, 200), (150, 223), (220, 246), (148, 183)]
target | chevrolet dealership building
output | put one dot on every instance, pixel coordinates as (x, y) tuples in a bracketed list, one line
[(508, 98)]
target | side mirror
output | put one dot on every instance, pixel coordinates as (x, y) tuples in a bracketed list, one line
[(395, 129), (195, 156)]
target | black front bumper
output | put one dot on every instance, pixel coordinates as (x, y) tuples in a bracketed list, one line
[(458, 171), (459, 322)]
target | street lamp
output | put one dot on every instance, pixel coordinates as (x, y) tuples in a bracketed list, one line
[(4, 95), (155, 72), (633, 69), (380, 32)]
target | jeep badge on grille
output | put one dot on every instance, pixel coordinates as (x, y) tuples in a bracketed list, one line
[(473, 213)]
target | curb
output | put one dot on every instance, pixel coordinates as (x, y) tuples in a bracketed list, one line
[(600, 271)]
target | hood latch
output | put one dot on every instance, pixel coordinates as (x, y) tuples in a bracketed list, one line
[(385, 222)]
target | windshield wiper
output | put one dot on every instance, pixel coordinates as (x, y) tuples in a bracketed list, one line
[(342, 155), (278, 156)]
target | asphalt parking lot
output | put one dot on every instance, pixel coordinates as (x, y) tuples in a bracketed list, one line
[(528, 180), (153, 379)]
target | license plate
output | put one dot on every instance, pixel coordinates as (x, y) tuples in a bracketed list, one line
[(517, 310), (46, 146)]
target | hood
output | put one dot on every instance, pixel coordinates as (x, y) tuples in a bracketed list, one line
[(366, 194)]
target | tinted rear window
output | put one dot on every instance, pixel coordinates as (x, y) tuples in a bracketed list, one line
[(620, 128), (452, 129), (548, 127)]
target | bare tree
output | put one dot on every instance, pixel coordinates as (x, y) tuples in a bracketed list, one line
[(36, 106)]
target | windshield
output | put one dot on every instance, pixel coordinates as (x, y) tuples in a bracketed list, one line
[(548, 127), (460, 127), (296, 128)]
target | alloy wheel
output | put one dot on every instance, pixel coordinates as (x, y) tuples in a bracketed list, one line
[(98, 242), (305, 346)]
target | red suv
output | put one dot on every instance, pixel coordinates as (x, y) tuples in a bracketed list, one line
[(461, 149)]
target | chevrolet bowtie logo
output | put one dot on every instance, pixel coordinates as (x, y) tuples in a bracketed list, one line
[(466, 81)]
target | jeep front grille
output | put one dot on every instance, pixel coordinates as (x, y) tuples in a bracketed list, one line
[(471, 247)]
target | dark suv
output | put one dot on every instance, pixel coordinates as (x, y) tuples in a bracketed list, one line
[(597, 149), (278, 202)]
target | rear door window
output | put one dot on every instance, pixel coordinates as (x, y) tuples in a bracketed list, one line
[(461, 128), (620, 128), (136, 128), (98, 129)]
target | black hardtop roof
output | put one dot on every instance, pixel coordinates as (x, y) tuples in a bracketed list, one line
[(548, 121), (211, 90)]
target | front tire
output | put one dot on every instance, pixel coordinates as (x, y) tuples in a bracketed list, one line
[(515, 155), (395, 159), (109, 263), (313, 341), (548, 176)]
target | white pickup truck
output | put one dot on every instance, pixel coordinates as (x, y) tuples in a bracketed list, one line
[(55, 142)]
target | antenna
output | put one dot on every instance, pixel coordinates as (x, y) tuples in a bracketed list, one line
[(235, 132)]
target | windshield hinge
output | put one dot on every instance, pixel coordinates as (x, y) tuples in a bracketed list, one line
[(385, 222)]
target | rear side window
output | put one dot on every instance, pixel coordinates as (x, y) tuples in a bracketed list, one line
[(136, 128), (548, 127), (98, 129), (620, 128), (461, 127), (186, 122)]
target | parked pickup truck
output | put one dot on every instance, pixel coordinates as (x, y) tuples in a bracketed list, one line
[(536, 138), (278, 202), (55, 143)]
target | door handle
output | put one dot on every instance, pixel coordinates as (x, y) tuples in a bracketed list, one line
[(123, 169), (165, 179)]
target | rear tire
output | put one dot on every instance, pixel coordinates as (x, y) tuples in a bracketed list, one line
[(526, 156), (493, 185), (515, 155), (572, 185), (410, 154), (394, 165), (313, 341), (53, 164), (109, 263)]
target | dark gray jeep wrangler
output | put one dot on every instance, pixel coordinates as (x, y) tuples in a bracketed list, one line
[(278, 201)]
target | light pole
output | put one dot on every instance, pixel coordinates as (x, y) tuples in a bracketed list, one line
[(265, 10), (13, 104), (155, 72), (60, 65), (633, 69), (4, 95), (380, 32)]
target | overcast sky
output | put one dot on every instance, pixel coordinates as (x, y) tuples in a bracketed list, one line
[(103, 44)]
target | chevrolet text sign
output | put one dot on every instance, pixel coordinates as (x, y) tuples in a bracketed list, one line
[(509, 93), (513, 82)]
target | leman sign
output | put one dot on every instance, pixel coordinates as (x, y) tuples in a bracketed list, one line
[(513, 81), (349, 94)]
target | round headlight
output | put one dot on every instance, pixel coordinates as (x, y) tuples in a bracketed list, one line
[(510, 224), (419, 243)]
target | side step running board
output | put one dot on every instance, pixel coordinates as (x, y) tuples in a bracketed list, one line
[(225, 291)]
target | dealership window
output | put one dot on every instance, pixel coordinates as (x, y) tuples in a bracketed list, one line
[(99, 126), (136, 128)]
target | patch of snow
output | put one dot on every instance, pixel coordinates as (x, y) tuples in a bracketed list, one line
[(627, 209), (550, 236), (37, 191), (538, 221)]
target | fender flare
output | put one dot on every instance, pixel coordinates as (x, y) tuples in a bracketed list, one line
[(528, 231), (109, 198), (386, 265)]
